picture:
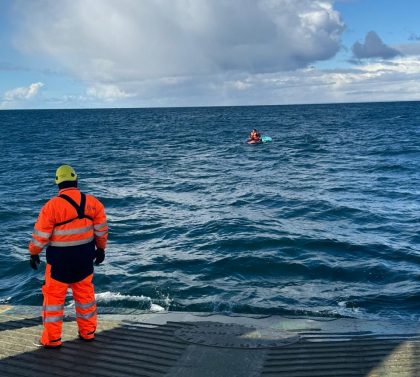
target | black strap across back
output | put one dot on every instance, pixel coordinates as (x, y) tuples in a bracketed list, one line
[(79, 208)]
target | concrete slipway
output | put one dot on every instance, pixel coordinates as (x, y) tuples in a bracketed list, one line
[(134, 343)]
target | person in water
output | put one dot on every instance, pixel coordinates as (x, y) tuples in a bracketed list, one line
[(254, 135)]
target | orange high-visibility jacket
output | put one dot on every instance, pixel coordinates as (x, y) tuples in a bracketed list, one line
[(70, 238)]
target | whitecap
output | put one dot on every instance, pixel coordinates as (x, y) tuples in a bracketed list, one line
[(5, 300), (107, 297), (156, 308)]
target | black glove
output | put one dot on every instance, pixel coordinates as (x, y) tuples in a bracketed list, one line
[(34, 261), (99, 256)]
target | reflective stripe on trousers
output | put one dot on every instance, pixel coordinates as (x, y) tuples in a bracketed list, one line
[(85, 310), (54, 292), (86, 315), (86, 305), (49, 313), (58, 318)]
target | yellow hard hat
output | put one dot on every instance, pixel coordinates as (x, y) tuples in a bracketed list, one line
[(65, 173)]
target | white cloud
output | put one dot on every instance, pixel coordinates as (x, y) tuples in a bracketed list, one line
[(23, 93), (202, 52), (242, 84), (381, 80), (107, 92), (108, 41), (369, 81)]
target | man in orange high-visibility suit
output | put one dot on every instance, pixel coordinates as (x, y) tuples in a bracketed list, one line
[(74, 229)]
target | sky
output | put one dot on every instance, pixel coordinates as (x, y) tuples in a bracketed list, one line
[(164, 53)]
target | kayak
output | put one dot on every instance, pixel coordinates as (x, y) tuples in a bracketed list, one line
[(253, 141), (266, 139)]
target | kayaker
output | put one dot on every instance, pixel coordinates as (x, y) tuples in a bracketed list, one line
[(254, 135)]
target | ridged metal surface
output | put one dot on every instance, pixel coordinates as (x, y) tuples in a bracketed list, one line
[(146, 345), (232, 335), (119, 350), (347, 354)]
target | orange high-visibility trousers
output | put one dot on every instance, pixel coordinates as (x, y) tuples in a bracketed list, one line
[(54, 292)]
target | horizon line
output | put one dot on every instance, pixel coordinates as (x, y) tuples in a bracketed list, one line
[(213, 106)]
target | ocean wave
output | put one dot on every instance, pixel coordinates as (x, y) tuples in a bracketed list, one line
[(5, 300), (322, 220), (143, 302)]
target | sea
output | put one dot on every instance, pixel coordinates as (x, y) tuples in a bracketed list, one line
[(322, 221)]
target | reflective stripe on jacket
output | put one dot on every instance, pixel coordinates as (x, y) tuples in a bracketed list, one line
[(70, 234), (75, 233)]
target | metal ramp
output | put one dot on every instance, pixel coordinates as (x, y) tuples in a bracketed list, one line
[(197, 344)]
